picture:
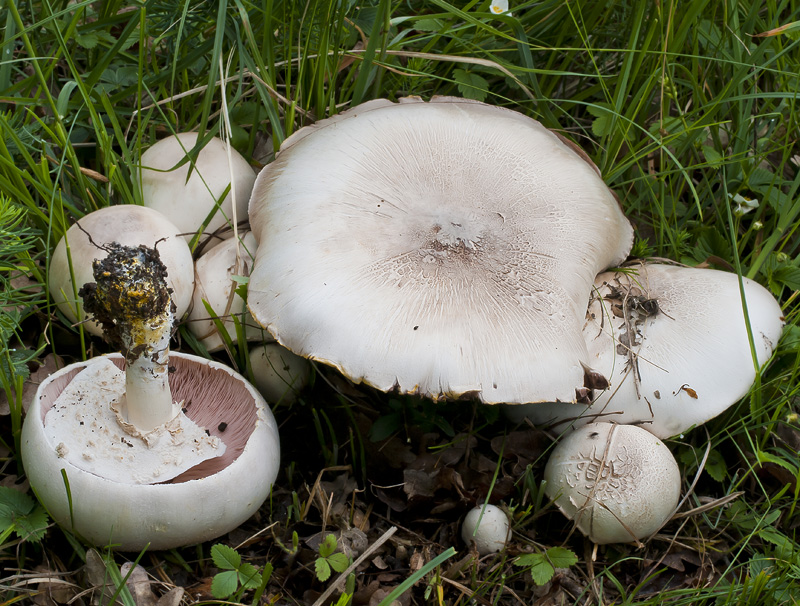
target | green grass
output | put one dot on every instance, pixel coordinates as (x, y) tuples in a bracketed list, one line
[(684, 107)]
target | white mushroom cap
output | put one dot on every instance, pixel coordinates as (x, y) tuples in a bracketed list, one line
[(441, 248), (692, 353), (278, 373), (205, 502), (618, 483), (213, 277), (187, 203), (129, 225), (488, 526)]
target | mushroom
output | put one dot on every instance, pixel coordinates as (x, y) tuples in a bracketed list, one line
[(215, 285), (617, 483), (278, 373), (487, 525), (189, 200), (149, 447), (126, 224), (674, 345), (440, 248)]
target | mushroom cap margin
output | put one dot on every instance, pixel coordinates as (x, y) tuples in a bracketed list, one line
[(694, 358)]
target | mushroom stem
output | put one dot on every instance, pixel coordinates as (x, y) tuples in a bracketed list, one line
[(147, 394), (131, 300)]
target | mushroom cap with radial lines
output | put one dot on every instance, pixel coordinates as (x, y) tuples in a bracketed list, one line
[(689, 344), (439, 248)]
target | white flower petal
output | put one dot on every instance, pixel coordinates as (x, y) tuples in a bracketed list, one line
[(498, 7)]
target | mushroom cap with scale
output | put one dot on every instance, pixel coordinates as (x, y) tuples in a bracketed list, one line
[(617, 483), (440, 248)]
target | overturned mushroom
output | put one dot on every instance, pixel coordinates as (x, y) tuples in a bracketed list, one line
[(151, 447), (674, 345), (439, 248)]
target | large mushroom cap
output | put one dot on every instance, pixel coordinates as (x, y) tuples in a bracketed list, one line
[(204, 502), (440, 248), (674, 345)]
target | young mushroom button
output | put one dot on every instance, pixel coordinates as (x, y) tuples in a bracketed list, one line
[(441, 248), (487, 526), (125, 224), (617, 483), (215, 277), (190, 194)]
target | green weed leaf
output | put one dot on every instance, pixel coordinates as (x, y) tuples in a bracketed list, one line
[(33, 526), (225, 557), (339, 562), (249, 577), (712, 156), (561, 557), (328, 546), (765, 457), (526, 560), (542, 565), (20, 512), (716, 466), (428, 25), (224, 584), (323, 569), (471, 85), (13, 503), (88, 40), (541, 570), (602, 125)]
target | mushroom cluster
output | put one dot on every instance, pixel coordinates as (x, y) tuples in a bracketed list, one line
[(144, 448), (147, 448), (460, 246)]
